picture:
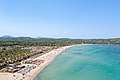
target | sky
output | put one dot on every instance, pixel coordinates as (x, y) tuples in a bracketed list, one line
[(81, 19)]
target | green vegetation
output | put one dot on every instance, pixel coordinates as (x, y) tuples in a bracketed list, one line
[(9, 55)]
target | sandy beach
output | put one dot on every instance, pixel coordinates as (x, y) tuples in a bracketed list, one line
[(31, 70)]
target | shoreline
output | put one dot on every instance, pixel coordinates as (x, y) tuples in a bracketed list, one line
[(47, 57), (60, 50)]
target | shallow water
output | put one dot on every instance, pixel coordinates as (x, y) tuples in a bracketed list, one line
[(85, 62)]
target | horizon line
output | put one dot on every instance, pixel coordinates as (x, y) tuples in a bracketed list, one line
[(7, 36)]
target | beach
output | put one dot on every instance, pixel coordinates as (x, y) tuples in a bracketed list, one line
[(31, 70)]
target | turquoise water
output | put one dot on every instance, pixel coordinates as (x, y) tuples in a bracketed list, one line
[(85, 62)]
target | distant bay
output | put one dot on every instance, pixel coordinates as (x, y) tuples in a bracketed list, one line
[(85, 62)]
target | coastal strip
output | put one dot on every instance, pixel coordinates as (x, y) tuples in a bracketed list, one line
[(49, 57), (32, 70)]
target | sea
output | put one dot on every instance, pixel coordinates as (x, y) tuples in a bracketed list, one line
[(85, 62)]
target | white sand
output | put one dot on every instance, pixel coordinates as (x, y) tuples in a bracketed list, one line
[(48, 58)]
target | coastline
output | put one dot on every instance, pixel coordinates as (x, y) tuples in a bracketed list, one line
[(59, 51), (48, 58)]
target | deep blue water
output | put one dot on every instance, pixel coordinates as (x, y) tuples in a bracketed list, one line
[(85, 62)]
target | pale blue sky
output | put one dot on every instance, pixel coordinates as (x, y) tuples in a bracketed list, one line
[(60, 18)]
